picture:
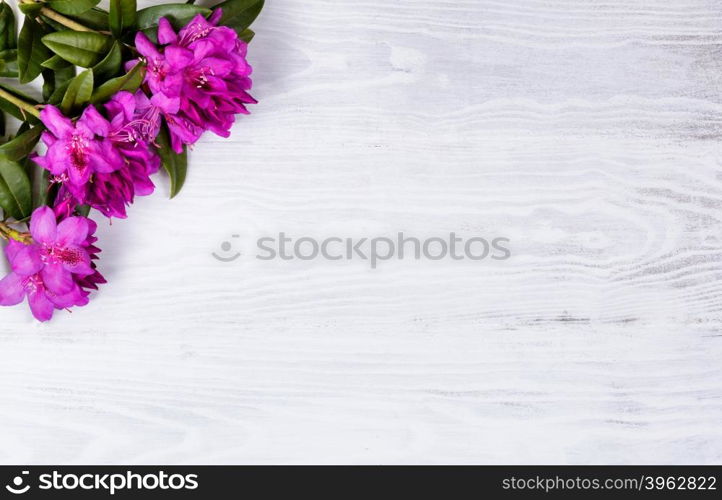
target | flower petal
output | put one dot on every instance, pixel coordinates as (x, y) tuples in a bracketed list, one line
[(12, 291), (76, 260), (178, 57), (166, 104), (43, 227), (78, 176), (72, 231), (145, 46), (166, 33), (57, 279), (75, 297), (40, 305), (27, 261), (12, 249), (93, 123), (216, 16), (57, 122)]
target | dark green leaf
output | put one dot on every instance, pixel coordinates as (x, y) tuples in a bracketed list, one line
[(175, 164), (40, 184), (82, 48), (96, 19), (177, 13), (78, 93), (128, 82), (48, 83), (247, 35), (8, 28), (31, 51), (9, 69), (122, 16), (239, 14), (12, 109), (72, 7), (24, 127), (110, 65), (22, 145), (15, 189), (63, 75), (59, 74), (59, 93), (82, 210), (9, 54)]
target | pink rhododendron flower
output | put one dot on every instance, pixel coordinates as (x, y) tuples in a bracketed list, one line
[(133, 126), (55, 269), (199, 78), (78, 150)]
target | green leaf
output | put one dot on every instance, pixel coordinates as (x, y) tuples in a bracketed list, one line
[(22, 145), (9, 69), (31, 51), (55, 63), (40, 180), (72, 7), (12, 109), (15, 189), (54, 78), (239, 14), (31, 10), (128, 82), (79, 92), (51, 23), (177, 13), (175, 164), (24, 127), (8, 28), (59, 93), (96, 19), (84, 49), (122, 16), (110, 65), (247, 35), (82, 210), (48, 83)]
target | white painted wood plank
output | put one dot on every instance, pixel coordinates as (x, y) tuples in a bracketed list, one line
[(587, 132)]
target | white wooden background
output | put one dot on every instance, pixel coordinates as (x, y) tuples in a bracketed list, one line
[(588, 132)]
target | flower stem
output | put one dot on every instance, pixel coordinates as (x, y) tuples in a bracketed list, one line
[(59, 18), (23, 105), (13, 234)]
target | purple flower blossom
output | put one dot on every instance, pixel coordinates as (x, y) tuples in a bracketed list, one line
[(77, 151), (200, 78), (56, 269), (133, 126)]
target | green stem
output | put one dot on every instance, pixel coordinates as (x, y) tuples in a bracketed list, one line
[(13, 234), (58, 18), (23, 105)]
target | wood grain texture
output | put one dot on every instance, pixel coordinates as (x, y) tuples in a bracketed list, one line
[(587, 132)]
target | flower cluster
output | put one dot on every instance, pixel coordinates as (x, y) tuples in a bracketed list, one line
[(195, 80), (199, 78), (54, 270)]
